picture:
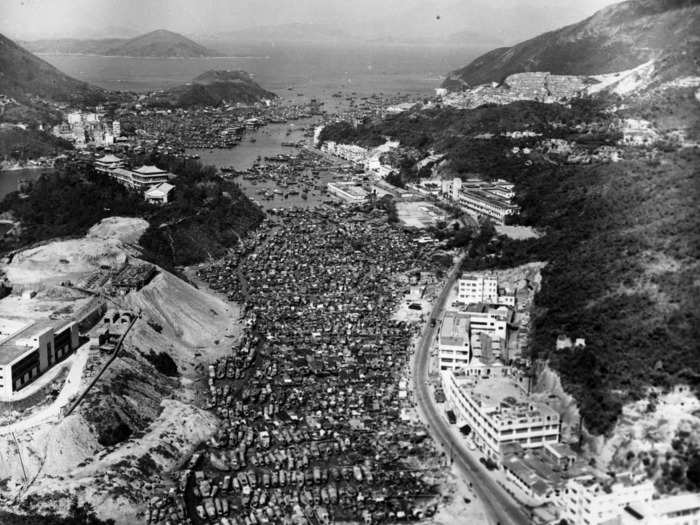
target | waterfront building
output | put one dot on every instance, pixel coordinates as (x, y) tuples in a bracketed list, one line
[(453, 341), (498, 410), (349, 152), (28, 349), (347, 191), (477, 289)]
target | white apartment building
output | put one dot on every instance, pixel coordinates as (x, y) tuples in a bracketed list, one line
[(499, 412), (490, 321), (588, 500), (477, 289), (453, 341), (482, 203)]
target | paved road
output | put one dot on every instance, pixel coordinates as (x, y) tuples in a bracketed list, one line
[(498, 503)]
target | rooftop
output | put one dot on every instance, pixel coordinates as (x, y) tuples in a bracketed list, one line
[(503, 395), (109, 158), (150, 170), (163, 188), (677, 503), (17, 344)]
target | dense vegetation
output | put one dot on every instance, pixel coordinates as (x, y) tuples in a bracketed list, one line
[(621, 238), (623, 248), (448, 131), (213, 88), (206, 217), (20, 144), (207, 214), (67, 203)]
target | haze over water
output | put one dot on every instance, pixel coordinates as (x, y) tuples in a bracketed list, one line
[(317, 70)]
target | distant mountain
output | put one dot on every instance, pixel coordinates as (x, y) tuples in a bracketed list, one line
[(616, 38), (213, 88), (161, 44), (24, 76), (286, 33), (73, 46)]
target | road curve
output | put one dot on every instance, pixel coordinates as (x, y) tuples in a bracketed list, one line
[(498, 503)]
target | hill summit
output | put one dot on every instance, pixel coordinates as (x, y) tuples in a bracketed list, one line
[(161, 44), (616, 38), (213, 88)]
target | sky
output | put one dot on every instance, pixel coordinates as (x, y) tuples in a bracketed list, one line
[(511, 19)]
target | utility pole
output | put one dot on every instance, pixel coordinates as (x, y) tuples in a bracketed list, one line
[(19, 455)]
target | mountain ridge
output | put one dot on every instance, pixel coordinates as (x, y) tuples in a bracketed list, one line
[(23, 76), (616, 38)]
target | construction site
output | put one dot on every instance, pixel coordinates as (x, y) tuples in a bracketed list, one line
[(104, 352)]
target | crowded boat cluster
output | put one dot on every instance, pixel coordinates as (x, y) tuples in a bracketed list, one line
[(314, 400), (210, 127)]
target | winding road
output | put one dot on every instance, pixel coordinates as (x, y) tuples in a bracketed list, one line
[(502, 508)]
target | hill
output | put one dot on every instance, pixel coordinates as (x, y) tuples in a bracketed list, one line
[(616, 38), (24, 77), (213, 88), (160, 44)]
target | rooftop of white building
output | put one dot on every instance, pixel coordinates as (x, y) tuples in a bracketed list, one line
[(455, 329), (504, 396)]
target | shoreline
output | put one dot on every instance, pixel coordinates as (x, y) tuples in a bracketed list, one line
[(152, 57)]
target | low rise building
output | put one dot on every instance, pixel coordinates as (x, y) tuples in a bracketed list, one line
[(347, 191), (499, 411), (680, 509), (159, 194)]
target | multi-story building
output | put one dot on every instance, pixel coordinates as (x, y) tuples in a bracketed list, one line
[(116, 128), (499, 411), (453, 341), (589, 500), (141, 179), (28, 349), (484, 319), (107, 163), (484, 204), (477, 289)]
